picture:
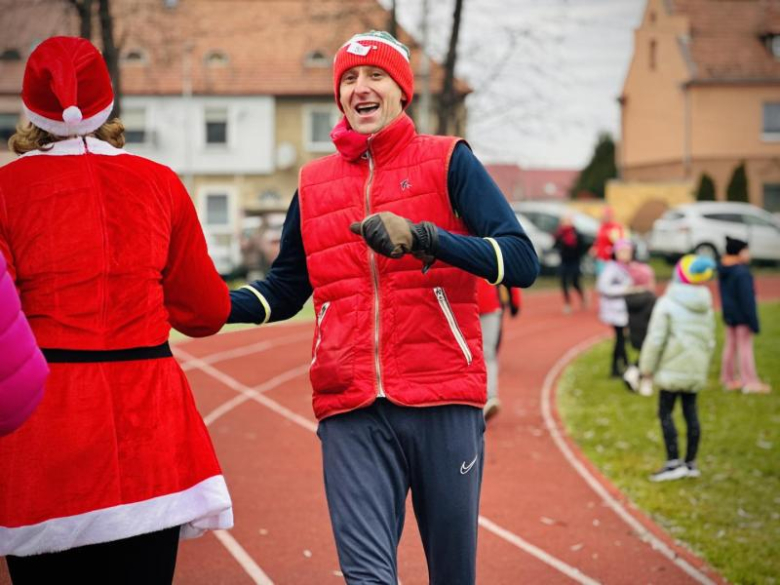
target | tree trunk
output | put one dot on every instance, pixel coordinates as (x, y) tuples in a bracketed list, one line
[(392, 25), (110, 53), (448, 97), (84, 10)]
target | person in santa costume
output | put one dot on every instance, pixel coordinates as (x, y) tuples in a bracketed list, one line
[(107, 253)]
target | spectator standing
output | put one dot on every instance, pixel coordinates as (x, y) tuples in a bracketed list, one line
[(640, 301), (740, 314), (23, 369), (610, 231), (568, 242), (491, 312), (612, 285), (115, 465), (676, 355)]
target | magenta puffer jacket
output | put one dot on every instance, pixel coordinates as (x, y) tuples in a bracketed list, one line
[(23, 369)]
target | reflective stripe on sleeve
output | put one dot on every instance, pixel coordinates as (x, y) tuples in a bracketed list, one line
[(499, 260), (262, 300)]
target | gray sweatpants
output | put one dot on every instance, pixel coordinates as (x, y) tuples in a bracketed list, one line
[(491, 329), (373, 456)]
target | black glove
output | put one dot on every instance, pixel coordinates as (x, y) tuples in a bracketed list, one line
[(393, 236)]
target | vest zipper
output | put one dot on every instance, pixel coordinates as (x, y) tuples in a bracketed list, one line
[(450, 316), (320, 317), (380, 392)]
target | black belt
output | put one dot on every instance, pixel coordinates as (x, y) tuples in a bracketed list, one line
[(83, 356)]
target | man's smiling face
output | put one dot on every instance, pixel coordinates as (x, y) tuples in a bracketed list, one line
[(370, 98)]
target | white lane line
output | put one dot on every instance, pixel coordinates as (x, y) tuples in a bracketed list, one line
[(258, 347), (523, 544), (643, 533), (231, 544), (250, 394), (231, 382)]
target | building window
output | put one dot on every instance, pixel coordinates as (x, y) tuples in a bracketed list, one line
[(316, 59), (653, 54), (772, 197), (217, 209), (135, 57), (216, 58), (771, 126), (216, 125), (10, 55), (318, 122), (134, 120), (7, 128)]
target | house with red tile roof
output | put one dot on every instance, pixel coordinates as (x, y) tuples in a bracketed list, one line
[(519, 184), (702, 95), (234, 95)]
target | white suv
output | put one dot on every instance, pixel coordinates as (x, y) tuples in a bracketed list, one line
[(703, 227)]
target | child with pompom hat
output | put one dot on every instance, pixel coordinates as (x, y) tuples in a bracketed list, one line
[(676, 354)]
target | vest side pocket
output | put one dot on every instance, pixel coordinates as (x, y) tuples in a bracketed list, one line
[(333, 352), (449, 315)]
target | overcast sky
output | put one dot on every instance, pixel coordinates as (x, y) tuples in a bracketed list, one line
[(546, 73)]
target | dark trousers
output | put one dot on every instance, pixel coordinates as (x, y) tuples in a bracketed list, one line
[(570, 273), (373, 456), (149, 559), (666, 402), (619, 356)]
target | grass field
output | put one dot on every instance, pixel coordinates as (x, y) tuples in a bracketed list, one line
[(731, 515)]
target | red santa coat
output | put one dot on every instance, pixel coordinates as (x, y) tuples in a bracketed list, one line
[(107, 253)]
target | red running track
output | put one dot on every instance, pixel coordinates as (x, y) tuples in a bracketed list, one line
[(547, 516)]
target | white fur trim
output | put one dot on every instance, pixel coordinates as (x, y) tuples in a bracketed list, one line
[(263, 301), (75, 146), (61, 128), (499, 261), (373, 39), (205, 506), (72, 115)]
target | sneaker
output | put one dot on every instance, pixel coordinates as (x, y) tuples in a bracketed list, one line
[(646, 387), (734, 386), (491, 408), (566, 309), (631, 378), (693, 470), (674, 469)]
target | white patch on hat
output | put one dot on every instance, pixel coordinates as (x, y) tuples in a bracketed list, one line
[(358, 49), (72, 115)]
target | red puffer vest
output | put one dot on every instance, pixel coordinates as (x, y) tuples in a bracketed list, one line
[(383, 327)]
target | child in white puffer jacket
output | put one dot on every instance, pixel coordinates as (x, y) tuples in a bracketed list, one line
[(676, 354)]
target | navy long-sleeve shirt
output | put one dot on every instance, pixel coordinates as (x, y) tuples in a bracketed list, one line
[(475, 198)]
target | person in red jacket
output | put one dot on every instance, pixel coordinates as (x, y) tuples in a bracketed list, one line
[(23, 369), (390, 234), (610, 231), (115, 465)]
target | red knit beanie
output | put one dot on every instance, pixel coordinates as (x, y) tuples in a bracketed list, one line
[(66, 89), (377, 49)]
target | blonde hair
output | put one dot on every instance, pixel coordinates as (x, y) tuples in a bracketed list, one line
[(29, 137)]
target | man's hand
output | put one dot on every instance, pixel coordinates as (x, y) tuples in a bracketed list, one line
[(393, 236)]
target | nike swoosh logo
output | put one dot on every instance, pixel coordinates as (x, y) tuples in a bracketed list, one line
[(464, 469)]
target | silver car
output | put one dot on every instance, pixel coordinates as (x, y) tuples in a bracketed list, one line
[(702, 228)]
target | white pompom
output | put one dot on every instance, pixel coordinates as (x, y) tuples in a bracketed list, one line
[(71, 115)]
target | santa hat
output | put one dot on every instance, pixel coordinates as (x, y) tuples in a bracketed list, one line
[(377, 49), (693, 269), (67, 89)]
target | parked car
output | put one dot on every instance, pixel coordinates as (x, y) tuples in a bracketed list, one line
[(702, 228), (549, 259)]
